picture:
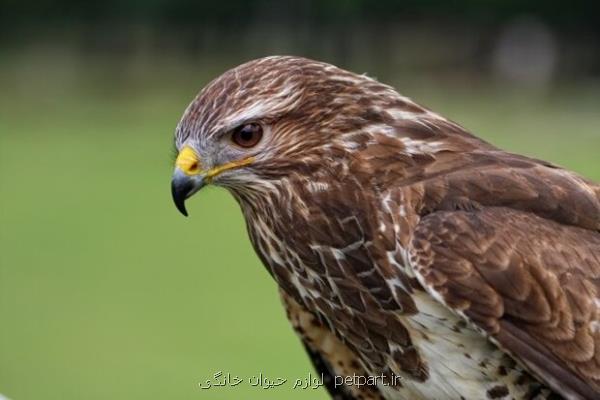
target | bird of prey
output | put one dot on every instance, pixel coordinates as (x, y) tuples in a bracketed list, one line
[(414, 260)]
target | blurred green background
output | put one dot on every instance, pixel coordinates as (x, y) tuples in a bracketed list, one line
[(105, 290)]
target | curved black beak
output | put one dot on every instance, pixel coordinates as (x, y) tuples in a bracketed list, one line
[(183, 186)]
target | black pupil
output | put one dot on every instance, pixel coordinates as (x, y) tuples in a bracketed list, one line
[(247, 133)]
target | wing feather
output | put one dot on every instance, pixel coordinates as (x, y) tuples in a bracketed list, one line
[(531, 284)]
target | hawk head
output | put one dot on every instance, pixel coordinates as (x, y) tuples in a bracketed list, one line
[(264, 120)]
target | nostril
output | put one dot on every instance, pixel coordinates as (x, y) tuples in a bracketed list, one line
[(188, 162)]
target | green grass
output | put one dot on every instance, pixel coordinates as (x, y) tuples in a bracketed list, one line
[(106, 292)]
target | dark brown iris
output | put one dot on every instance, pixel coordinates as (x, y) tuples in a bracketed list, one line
[(247, 135)]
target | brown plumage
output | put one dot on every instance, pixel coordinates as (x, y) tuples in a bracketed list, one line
[(403, 245)]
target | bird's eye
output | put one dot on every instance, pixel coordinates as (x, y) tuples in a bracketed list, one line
[(247, 135)]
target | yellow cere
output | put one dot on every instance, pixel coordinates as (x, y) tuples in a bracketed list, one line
[(189, 162)]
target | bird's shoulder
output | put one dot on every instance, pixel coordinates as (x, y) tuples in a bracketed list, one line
[(499, 179), (450, 168)]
